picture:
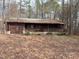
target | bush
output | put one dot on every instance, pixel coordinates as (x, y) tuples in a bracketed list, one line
[(28, 33), (49, 33), (63, 33)]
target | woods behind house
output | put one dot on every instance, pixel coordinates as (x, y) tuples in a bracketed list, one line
[(66, 11)]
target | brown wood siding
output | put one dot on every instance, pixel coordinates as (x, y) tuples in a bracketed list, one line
[(15, 28), (18, 28)]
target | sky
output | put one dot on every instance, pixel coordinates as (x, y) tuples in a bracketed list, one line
[(32, 1)]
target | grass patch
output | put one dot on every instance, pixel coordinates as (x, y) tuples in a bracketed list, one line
[(61, 33), (49, 33), (28, 33), (38, 33)]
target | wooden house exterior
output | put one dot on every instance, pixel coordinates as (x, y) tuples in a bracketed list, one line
[(19, 26)]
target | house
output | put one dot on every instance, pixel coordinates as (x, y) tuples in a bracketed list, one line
[(23, 25)]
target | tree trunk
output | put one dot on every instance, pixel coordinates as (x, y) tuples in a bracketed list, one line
[(3, 17)]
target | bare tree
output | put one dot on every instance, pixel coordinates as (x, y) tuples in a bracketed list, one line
[(3, 17), (13, 10)]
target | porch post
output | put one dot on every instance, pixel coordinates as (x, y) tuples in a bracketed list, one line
[(24, 30), (48, 27)]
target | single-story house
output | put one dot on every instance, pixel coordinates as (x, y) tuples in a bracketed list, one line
[(23, 25)]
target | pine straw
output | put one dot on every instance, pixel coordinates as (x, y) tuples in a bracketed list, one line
[(38, 47)]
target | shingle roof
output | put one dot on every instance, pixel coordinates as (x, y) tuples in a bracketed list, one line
[(41, 21)]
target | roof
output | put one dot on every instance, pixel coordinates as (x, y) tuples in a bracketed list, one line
[(41, 21)]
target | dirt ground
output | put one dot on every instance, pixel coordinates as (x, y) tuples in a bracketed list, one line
[(38, 47)]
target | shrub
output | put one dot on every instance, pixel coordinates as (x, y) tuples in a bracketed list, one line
[(63, 33), (28, 33), (49, 33)]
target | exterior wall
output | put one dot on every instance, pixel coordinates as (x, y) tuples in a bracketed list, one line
[(15, 28), (20, 28)]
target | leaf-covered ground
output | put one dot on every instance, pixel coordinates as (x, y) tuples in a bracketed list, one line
[(38, 47)]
